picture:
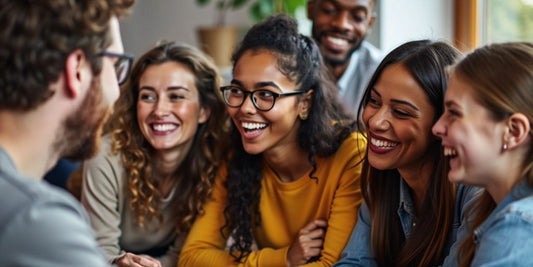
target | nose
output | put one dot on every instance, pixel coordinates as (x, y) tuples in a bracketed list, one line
[(379, 121), (439, 129), (162, 107), (342, 21), (248, 106)]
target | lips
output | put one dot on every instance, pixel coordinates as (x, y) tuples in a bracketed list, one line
[(336, 42), (381, 145), (253, 129), (163, 128)]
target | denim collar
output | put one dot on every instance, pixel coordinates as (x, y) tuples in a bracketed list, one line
[(406, 209), (520, 190)]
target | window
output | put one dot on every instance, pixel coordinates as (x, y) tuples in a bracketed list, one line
[(479, 22)]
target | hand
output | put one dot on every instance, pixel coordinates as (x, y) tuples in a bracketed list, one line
[(132, 260), (308, 243)]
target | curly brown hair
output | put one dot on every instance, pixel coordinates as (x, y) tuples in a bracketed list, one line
[(195, 176), (36, 38)]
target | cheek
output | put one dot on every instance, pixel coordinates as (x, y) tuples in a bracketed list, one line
[(367, 114)]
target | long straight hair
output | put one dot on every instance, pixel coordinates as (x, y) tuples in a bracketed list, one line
[(501, 78), (426, 61)]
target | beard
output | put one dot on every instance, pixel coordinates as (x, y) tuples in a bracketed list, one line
[(317, 36), (80, 138)]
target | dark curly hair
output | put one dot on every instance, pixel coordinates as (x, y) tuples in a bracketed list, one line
[(36, 38), (327, 126), (196, 174)]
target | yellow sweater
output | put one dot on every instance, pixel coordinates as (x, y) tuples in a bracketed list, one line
[(285, 209)]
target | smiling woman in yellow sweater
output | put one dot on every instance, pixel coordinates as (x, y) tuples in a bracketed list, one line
[(290, 192)]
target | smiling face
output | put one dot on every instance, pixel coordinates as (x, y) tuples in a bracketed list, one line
[(264, 131), (398, 118), (168, 106), (339, 26), (471, 138)]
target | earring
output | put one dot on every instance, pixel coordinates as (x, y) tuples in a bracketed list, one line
[(303, 116), (504, 146)]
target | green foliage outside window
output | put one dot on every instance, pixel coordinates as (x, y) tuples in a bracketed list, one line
[(508, 20)]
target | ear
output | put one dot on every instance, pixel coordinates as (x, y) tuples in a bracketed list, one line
[(205, 113), (517, 130), (77, 71), (304, 106), (310, 7)]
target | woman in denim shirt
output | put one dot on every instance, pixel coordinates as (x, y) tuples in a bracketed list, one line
[(486, 133), (411, 213)]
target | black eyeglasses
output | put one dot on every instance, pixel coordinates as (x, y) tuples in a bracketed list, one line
[(262, 99), (122, 66)]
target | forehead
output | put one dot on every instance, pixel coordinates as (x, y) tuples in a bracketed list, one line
[(116, 39), (260, 66), (350, 4)]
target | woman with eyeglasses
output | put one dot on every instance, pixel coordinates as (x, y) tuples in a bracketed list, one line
[(487, 139), (290, 189), (165, 144)]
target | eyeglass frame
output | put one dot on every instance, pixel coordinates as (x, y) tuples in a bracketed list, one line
[(128, 57), (251, 93)]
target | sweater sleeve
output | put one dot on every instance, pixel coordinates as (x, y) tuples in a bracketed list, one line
[(100, 197), (205, 245), (346, 202)]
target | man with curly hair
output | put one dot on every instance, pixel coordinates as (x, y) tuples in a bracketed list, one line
[(60, 65)]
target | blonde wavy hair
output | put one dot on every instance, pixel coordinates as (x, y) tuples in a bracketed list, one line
[(196, 174)]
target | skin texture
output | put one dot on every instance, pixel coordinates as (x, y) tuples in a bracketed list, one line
[(398, 119), (168, 98), (339, 27), (277, 136), (471, 137)]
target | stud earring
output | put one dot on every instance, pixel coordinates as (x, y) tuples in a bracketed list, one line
[(504, 146), (303, 116)]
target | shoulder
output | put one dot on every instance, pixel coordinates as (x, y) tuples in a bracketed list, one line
[(49, 228), (370, 53), (355, 143), (522, 209)]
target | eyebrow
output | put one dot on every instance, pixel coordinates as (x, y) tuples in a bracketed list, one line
[(170, 88), (257, 85), (398, 101)]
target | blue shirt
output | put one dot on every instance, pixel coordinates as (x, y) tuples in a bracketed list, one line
[(505, 238), (357, 251)]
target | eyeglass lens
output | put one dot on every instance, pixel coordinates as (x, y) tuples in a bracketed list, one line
[(121, 68), (262, 99)]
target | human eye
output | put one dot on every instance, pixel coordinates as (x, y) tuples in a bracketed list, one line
[(328, 8), (264, 94), (235, 91), (147, 97), (359, 16), (176, 96), (402, 113), (373, 101)]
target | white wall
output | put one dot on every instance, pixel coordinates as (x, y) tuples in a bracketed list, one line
[(154, 20), (404, 20), (399, 21)]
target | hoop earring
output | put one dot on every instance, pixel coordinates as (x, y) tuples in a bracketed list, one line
[(303, 116)]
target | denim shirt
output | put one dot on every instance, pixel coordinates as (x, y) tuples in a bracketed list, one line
[(358, 251), (505, 238)]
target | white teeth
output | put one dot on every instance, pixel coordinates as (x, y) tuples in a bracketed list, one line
[(253, 125), (164, 127), (337, 41), (382, 143), (449, 152)]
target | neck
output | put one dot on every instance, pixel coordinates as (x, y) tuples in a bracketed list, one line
[(506, 175), (418, 180), (338, 70), (28, 138), (289, 163)]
